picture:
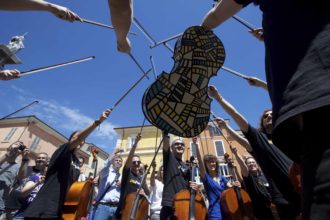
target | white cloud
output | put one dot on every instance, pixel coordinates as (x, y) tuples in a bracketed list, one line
[(17, 89), (72, 119), (66, 119)]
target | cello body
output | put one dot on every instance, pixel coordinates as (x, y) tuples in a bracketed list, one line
[(231, 207), (295, 177), (77, 200), (182, 202), (141, 211), (178, 103), (235, 202), (79, 197)]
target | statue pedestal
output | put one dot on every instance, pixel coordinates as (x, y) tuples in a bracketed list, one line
[(7, 57)]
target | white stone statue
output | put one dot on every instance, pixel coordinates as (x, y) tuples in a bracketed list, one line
[(16, 43)]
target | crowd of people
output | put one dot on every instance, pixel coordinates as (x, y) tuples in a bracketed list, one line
[(296, 35), (40, 190)]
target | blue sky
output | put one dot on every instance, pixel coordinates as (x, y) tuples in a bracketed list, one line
[(71, 97)]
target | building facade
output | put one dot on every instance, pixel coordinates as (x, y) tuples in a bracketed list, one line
[(40, 137), (147, 146), (210, 141), (33, 132)]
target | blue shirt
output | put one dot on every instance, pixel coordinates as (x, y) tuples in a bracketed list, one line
[(107, 176), (213, 190)]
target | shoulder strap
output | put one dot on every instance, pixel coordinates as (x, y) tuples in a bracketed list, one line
[(106, 189)]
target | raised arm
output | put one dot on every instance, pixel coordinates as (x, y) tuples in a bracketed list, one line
[(22, 172), (121, 16), (132, 152), (166, 142), (82, 135), (231, 110), (220, 13), (241, 163), (39, 5), (202, 169), (241, 140), (105, 169), (153, 175)]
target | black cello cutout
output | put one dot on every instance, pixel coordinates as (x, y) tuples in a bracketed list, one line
[(178, 103)]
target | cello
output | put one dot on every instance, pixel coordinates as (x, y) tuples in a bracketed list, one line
[(141, 208), (178, 103), (79, 196), (235, 202), (189, 204), (295, 177)]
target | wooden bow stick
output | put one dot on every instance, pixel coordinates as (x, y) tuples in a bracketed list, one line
[(137, 63), (237, 18), (235, 73), (32, 103), (153, 67), (218, 129), (101, 25), (166, 40), (56, 65), (243, 22), (130, 89), (136, 200), (151, 39)]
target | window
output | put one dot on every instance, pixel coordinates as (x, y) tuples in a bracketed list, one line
[(219, 148), (131, 141), (35, 143), (223, 168), (215, 131), (10, 134), (193, 149)]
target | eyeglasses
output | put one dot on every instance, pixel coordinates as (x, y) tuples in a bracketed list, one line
[(136, 162), (267, 115), (179, 143)]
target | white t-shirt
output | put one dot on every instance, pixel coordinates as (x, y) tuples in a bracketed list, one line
[(156, 196)]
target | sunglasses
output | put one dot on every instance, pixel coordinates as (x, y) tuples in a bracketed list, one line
[(178, 144), (266, 115), (136, 162)]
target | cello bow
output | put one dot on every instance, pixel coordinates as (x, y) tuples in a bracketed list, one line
[(130, 89), (243, 199), (164, 42), (101, 25), (56, 65), (192, 193), (95, 161), (137, 196)]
